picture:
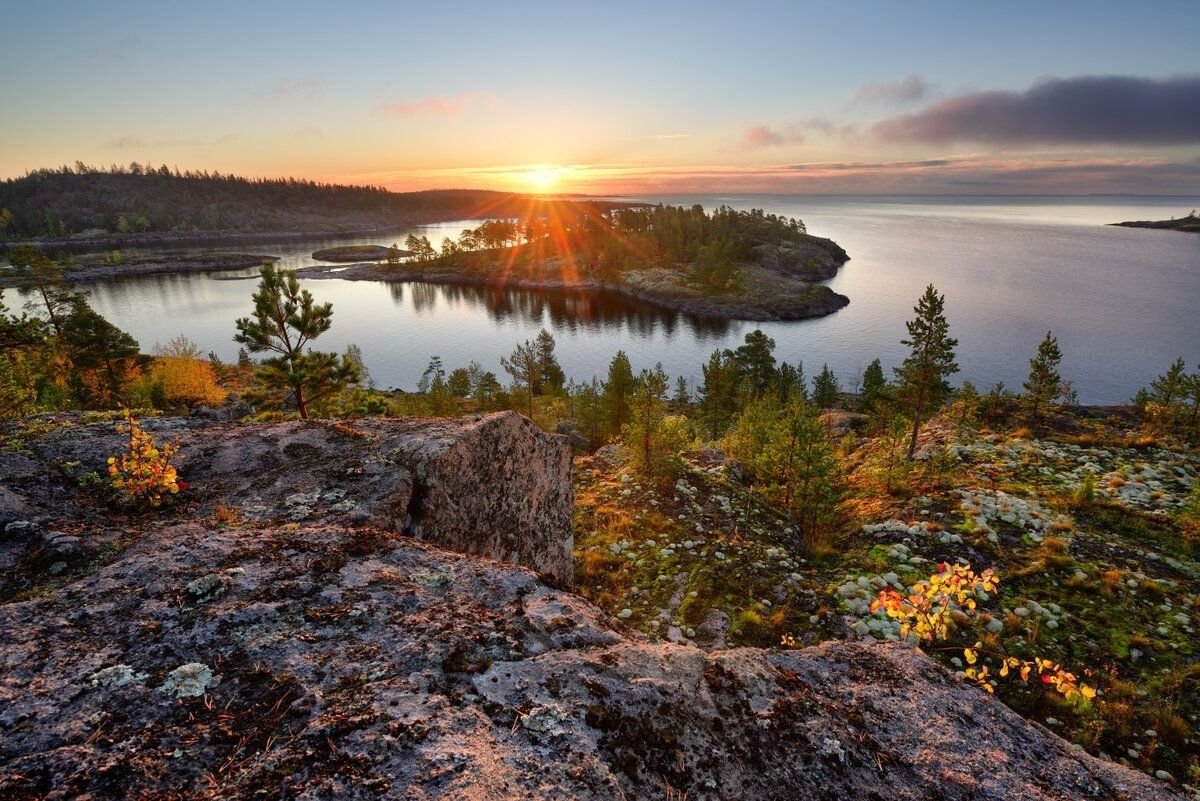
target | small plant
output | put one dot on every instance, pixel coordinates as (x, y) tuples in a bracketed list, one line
[(928, 613), (143, 476)]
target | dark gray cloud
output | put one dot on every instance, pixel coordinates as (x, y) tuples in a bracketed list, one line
[(908, 89), (1111, 109)]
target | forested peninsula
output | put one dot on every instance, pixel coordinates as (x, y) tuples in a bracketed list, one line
[(143, 205), (745, 265)]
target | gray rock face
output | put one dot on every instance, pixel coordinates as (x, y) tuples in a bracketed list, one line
[(495, 485), (360, 664)]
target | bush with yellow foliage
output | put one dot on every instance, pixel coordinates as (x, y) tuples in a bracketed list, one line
[(928, 613), (143, 476)]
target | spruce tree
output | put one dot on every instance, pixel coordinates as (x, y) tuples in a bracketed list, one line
[(286, 319), (1044, 383), (922, 377)]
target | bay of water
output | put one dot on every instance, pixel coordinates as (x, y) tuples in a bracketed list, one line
[(1122, 301)]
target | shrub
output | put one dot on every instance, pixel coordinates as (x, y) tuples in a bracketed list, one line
[(143, 476), (928, 613)]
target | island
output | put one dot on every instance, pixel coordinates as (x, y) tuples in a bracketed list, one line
[(729, 264), (1190, 224), (89, 267), (358, 253)]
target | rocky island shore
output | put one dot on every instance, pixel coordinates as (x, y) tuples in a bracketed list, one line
[(1190, 224), (781, 283), (324, 616)]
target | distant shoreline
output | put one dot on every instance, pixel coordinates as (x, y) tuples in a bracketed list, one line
[(1189, 224)]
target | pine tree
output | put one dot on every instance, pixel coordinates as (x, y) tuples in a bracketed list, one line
[(719, 392), (524, 364), (874, 385), (789, 382), (756, 362), (967, 403), (787, 452), (825, 389), (57, 296), (617, 390), (434, 376), (1044, 383), (922, 377), (551, 372), (1170, 387), (682, 399), (649, 408), (286, 319), (103, 357)]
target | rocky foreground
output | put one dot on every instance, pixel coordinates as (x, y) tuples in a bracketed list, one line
[(283, 633)]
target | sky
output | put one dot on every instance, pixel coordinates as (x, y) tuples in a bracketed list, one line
[(1048, 97)]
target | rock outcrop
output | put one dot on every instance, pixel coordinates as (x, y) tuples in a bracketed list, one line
[(495, 486), (240, 654)]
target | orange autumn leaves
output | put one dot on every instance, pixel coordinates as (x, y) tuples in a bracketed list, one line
[(143, 476), (928, 612)]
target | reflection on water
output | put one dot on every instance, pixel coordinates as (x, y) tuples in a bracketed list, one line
[(562, 310), (1121, 301)]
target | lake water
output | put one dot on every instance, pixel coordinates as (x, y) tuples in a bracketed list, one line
[(1122, 302)]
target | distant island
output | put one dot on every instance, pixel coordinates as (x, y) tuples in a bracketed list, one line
[(144, 205), (1190, 223), (88, 267), (729, 264)]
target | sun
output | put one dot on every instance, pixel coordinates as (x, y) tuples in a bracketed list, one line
[(544, 177)]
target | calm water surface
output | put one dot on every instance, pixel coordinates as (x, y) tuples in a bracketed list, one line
[(1123, 302)]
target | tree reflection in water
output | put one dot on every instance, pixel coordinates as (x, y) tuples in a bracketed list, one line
[(564, 309)]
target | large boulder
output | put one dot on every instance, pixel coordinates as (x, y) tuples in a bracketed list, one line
[(493, 485), (235, 661)]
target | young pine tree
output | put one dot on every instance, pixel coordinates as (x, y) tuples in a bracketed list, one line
[(718, 397), (1044, 383), (653, 453), (552, 374), (825, 389), (874, 385), (1170, 387), (524, 364), (922, 377), (286, 319), (618, 389)]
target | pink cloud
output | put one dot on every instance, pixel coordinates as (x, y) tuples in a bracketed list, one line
[(437, 105), (760, 136)]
